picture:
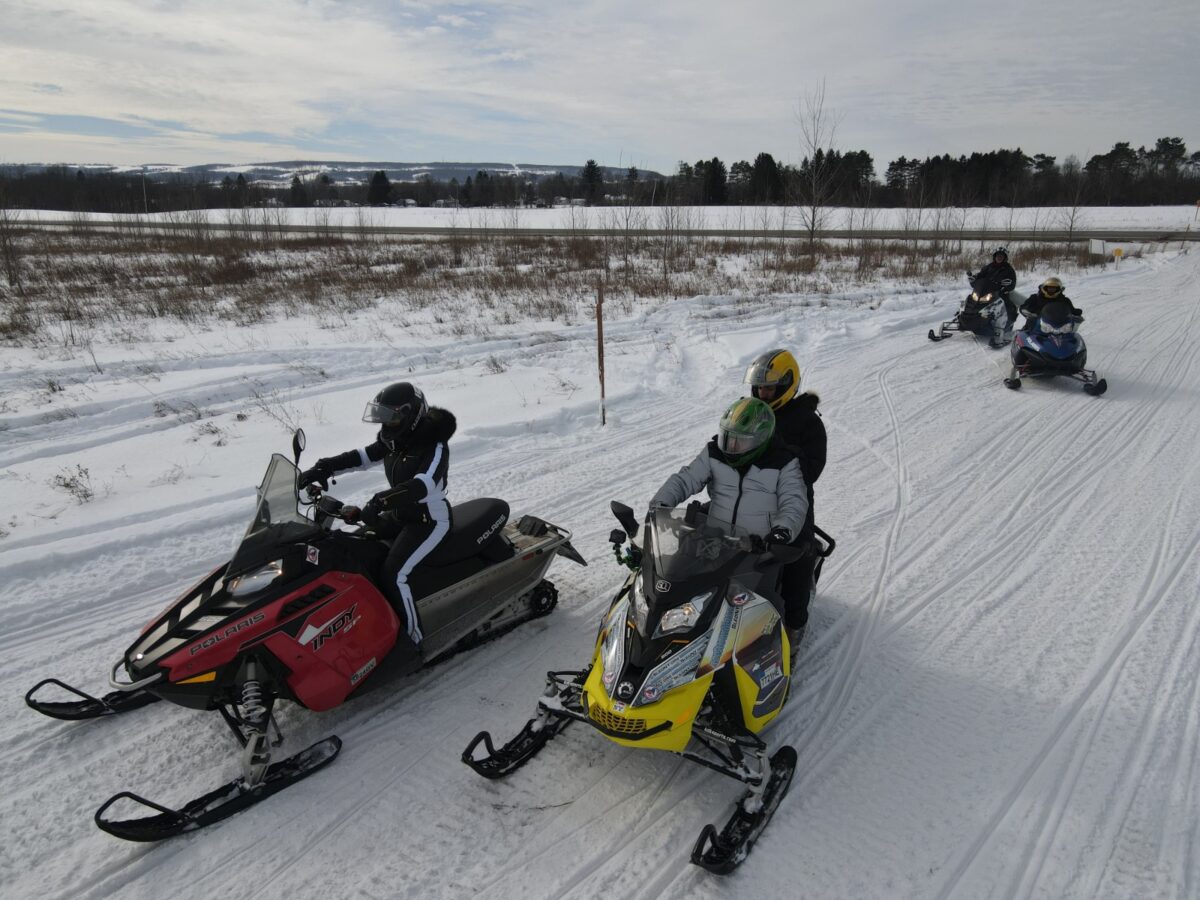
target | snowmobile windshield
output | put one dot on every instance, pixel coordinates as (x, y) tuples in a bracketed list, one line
[(984, 286), (1067, 327), (683, 550), (277, 518)]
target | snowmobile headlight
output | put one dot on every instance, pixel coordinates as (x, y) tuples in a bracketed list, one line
[(685, 617), (254, 581), (612, 652), (674, 672), (1065, 328), (974, 296), (641, 609)]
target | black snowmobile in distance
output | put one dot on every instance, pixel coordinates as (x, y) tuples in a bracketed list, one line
[(982, 313), (298, 614), (691, 657)]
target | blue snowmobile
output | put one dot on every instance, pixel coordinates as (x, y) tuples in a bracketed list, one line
[(1051, 346)]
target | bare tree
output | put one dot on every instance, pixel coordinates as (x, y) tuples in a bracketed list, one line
[(817, 179), (1075, 187), (15, 306), (9, 248)]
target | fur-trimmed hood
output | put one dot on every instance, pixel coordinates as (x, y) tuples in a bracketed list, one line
[(808, 400), (438, 425)]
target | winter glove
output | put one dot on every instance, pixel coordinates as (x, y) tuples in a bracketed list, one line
[(371, 512), (350, 513), (321, 472), (779, 536)]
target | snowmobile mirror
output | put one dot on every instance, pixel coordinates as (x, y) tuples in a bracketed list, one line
[(616, 536), (625, 516), (298, 443)]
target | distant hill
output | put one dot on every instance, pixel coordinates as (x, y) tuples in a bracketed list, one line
[(281, 173)]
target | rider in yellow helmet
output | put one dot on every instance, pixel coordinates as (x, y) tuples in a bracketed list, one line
[(774, 377), (1051, 300)]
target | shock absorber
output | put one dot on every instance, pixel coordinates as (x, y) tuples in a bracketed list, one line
[(254, 711), (256, 754)]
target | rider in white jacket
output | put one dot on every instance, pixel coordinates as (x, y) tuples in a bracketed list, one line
[(754, 482)]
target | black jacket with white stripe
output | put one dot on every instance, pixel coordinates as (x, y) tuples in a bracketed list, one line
[(416, 472)]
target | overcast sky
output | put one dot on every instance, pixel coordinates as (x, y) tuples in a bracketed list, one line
[(643, 82)]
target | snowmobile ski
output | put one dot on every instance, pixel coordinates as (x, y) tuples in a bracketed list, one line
[(217, 804), (1014, 383), (88, 707), (552, 717), (1095, 389), (722, 852), (529, 741)]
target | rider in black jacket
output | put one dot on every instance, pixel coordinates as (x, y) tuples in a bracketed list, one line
[(999, 274), (414, 512), (775, 378), (1050, 303)]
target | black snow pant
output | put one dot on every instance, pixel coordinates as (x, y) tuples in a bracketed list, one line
[(1010, 311), (796, 586), (796, 579), (416, 541)]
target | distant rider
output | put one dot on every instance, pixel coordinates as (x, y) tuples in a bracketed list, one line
[(754, 482), (414, 513), (1051, 304), (774, 377), (999, 274)]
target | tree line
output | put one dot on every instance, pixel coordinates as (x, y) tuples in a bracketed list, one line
[(1162, 174)]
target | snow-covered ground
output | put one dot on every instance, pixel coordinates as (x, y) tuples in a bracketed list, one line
[(727, 218), (998, 695)]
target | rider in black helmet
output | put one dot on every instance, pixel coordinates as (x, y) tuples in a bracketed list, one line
[(414, 512), (1002, 277)]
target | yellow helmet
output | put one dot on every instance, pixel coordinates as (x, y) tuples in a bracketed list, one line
[(1051, 287), (774, 377)]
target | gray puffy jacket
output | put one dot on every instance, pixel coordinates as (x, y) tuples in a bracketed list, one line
[(768, 493)]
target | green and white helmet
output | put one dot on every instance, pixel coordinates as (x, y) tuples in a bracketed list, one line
[(745, 430)]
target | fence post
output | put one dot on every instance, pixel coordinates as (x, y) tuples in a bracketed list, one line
[(600, 343)]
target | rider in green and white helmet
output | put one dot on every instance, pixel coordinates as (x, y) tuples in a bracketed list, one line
[(745, 430), (754, 482)]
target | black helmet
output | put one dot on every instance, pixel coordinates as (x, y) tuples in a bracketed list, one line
[(398, 409), (1000, 251)]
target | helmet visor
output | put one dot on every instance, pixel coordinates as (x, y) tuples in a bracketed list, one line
[(759, 375), (389, 415), (738, 443), (1051, 290)]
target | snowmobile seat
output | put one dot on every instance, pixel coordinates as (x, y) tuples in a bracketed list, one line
[(476, 529)]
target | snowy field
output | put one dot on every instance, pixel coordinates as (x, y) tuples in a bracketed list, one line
[(998, 694), (724, 218)]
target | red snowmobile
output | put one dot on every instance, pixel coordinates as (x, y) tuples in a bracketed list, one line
[(297, 615)]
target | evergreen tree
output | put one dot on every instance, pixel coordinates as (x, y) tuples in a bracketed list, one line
[(715, 178), (380, 190), (593, 181), (297, 195), (766, 184)]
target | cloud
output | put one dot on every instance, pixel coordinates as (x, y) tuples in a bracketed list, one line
[(616, 80)]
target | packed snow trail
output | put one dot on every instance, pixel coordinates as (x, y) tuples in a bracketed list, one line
[(998, 694)]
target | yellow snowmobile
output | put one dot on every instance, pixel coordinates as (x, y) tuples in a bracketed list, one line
[(691, 657)]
